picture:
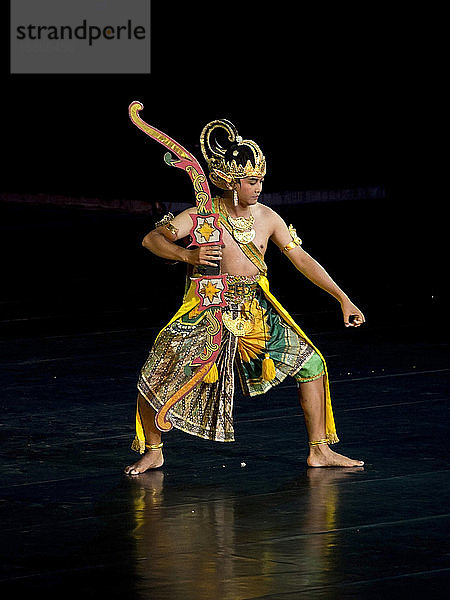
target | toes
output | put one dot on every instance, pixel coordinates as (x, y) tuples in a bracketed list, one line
[(357, 463), (131, 471)]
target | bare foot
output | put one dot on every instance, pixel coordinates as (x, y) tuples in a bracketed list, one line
[(323, 456), (153, 459)]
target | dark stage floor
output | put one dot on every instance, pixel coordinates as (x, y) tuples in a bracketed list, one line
[(205, 526), (74, 335)]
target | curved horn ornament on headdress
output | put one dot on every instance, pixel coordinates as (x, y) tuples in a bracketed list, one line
[(212, 147)]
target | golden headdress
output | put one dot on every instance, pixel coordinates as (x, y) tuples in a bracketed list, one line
[(239, 158)]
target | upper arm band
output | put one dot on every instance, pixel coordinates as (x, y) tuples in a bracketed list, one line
[(296, 241)]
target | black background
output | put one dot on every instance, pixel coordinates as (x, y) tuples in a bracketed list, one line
[(332, 98)]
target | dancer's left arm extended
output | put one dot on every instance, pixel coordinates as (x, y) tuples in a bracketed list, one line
[(307, 265)]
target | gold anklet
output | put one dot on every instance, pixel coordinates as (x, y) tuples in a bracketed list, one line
[(154, 446), (318, 442)]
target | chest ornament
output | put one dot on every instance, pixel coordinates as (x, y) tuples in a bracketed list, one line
[(243, 231)]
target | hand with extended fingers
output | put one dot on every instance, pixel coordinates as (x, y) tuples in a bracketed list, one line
[(203, 255)]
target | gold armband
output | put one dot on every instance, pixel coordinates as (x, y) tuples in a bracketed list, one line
[(173, 230), (296, 241), (166, 222)]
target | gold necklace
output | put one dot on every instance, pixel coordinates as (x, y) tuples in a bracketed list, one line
[(242, 228)]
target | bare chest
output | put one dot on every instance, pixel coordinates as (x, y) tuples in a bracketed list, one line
[(234, 261)]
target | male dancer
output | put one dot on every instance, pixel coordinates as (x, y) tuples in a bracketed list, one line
[(260, 338)]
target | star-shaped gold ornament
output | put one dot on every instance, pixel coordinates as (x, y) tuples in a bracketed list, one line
[(210, 290), (206, 230)]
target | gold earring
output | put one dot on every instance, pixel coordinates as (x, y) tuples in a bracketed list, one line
[(235, 198)]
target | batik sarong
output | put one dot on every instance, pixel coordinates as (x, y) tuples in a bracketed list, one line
[(207, 410)]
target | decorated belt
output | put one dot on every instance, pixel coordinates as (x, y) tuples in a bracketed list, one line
[(241, 288)]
